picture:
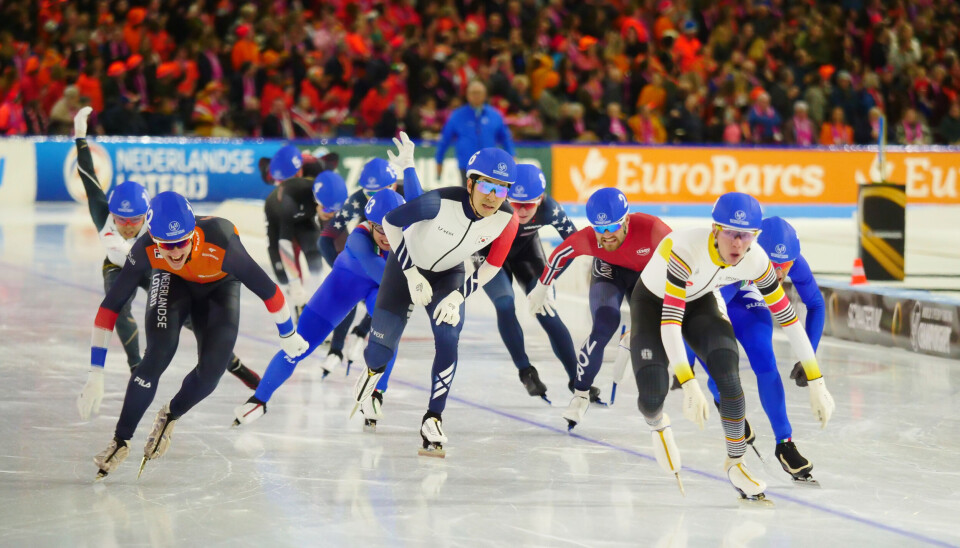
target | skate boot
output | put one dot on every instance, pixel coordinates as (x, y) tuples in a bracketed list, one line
[(431, 432), (158, 441), (331, 362), (665, 449), (531, 381), (250, 411), (354, 346), (372, 410), (577, 408), (246, 375), (364, 387), (795, 464), (594, 393), (749, 486), (110, 458)]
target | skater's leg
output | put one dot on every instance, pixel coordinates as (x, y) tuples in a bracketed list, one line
[(390, 314), (606, 294), (126, 326), (500, 291), (560, 340), (446, 339), (371, 303), (167, 307), (340, 333), (648, 357), (307, 235)]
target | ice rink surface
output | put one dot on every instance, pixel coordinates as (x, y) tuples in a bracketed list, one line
[(305, 475)]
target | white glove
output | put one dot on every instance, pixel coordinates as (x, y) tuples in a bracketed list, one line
[(421, 292), (695, 406), (354, 348), (448, 309), (80, 123), (293, 345), (541, 300), (623, 357), (298, 298), (821, 401), (92, 394), (404, 156)]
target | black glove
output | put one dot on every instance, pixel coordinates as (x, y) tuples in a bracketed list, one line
[(799, 375)]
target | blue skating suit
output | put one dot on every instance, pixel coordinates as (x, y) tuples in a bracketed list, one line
[(355, 277), (753, 327)]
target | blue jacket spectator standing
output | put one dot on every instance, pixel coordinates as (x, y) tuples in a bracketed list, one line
[(474, 126)]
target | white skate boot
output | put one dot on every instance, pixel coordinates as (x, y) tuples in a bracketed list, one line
[(372, 410), (364, 387), (110, 458), (431, 431), (353, 349), (577, 408), (158, 441), (665, 449), (331, 362), (749, 486), (250, 411)]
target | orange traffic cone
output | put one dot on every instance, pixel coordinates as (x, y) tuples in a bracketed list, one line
[(858, 277)]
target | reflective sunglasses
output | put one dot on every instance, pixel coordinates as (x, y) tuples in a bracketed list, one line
[(746, 236), (524, 205), (128, 221), (486, 187), (170, 246)]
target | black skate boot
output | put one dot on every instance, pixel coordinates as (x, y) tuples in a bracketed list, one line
[(246, 375), (795, 464), (594, 394), (531, 381)]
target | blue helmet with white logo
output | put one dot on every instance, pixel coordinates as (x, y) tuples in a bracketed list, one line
[(530, 184), (738, 210), (170, 217), (607, 206), (377, 174), (128, 199), (493, 163), (779, 240), (286, 163), (330, 190), (381, 203)]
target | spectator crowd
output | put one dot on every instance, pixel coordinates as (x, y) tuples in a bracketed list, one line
[(732, 72)]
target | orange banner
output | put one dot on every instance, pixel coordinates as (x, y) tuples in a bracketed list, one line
[(698, 175)]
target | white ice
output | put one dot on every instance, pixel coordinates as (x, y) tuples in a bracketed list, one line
[(305, 475)]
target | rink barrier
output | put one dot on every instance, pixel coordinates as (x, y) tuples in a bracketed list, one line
[(820, 181), (914, 320)]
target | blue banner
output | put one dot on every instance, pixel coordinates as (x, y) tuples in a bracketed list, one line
[(202, 171)]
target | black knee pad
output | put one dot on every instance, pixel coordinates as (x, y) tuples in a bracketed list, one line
[(652, 386)]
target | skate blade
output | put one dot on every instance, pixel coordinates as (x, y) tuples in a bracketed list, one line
[(544, 398), (613, 393), (759, 456), (432, 452), (370, 426), (142, 464), (570, 424), (354, 411), (100, 475), (755, 501), (236, 423), (324, 374), (807, 482), (680, 484), (349, 363)]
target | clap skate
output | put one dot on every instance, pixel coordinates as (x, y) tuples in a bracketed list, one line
[(666, 451), (246, 375), (372, 409), (250, 411), (594, 394), (431, 432), (331, 362), (795, 464), (110, 458), (531, 381), (158, 441), (577, 408), (364, 387), (749, 486)]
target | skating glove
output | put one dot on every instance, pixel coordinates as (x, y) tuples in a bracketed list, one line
[(421, 292), (298, 298), (821, 401), (80, 123), (695, 406), (92, 394), (448, 309), (623, 357), (541, 300), (799, 375), (353, 348), (293, 345), (404, 156)]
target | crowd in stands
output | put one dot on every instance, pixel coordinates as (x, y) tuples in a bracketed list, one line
[(643, 71)]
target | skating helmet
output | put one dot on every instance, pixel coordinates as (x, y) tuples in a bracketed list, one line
[(170, 217), (607, 206), (286, 163), (779, 240), (128, 199), (738, 210), (377, 174), (381, 203), (330, 191), (530, 184), (493, 163)]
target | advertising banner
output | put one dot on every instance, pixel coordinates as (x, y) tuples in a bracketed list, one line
[(208, 170), (698, 175), (18, 172)]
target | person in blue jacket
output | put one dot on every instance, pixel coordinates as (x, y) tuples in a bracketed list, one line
[(753, 327), (473, 126)]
